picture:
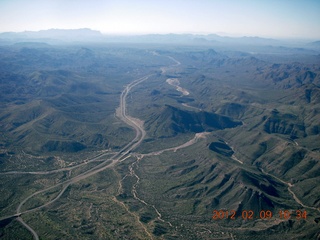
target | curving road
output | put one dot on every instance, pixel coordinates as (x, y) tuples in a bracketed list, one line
[(35, 235), (123, 154), (133, 122), (136, 124), (289, 189), (65, 169)]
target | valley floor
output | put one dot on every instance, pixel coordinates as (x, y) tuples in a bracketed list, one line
[(178, 148)]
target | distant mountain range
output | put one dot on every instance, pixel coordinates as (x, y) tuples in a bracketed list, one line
[(54, 35), (88, 35), (315, 44)]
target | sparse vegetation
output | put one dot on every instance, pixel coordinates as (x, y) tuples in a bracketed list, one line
[(260, 152)]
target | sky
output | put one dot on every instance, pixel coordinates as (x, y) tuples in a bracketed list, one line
[(264, 18)]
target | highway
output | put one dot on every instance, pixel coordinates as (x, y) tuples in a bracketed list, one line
[(35, 235), (120, 156), (92, 159), (136, 124), (112, 160)]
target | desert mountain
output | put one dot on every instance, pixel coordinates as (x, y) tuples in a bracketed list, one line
[(169, 121)]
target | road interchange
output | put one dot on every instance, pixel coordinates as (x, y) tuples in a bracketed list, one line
[(110, 162), (123, 154)]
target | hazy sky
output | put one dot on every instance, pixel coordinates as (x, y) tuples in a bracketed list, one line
[(266, 18)]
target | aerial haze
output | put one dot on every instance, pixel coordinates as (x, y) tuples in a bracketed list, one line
[(276, 19), (160, 119)]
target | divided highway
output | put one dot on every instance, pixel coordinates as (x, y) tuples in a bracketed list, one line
[(110, 162), (136, 124)]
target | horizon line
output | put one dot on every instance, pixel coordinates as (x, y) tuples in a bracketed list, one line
[(123, 34)]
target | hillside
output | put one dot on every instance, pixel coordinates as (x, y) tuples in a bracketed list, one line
[(169, 121), (96, 143)]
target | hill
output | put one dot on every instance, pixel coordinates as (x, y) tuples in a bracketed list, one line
[(241, 141), (169, 121)]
